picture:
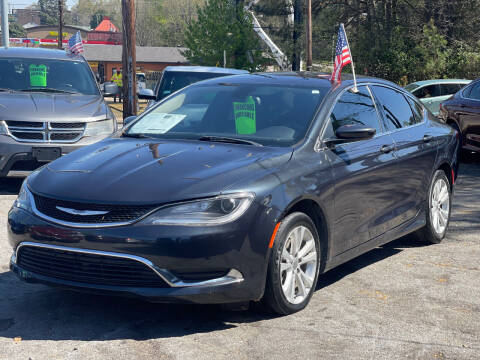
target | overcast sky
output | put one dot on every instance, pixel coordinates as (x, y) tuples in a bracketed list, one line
[(20, 4)]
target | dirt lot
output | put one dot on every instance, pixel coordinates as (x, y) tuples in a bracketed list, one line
[(404, 300)]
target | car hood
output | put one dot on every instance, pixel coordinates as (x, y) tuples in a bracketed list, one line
[(42, 107), (133, 171)]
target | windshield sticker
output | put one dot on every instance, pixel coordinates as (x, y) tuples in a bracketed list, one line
[(245, 117), (38, 75), (158, 123)]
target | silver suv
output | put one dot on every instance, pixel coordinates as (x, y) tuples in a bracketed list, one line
[(50, 105)]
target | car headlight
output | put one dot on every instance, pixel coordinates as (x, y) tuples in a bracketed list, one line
[(206, 212), (23, 199), (3, 128), (102, 127)]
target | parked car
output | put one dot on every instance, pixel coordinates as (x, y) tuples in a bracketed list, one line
[(432, 92), (141, 81), (50, 105), (175, 78), (462, 112), (236, 189)]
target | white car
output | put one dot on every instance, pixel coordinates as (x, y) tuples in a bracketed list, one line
[(433, 92)]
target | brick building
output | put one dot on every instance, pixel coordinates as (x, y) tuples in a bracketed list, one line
[(104, 58), (26, 16)]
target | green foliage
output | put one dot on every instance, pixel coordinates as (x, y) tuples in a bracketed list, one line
[(400, 40), (49, 14), (16, 30), (220, 25), (434, 52), (97, 17)]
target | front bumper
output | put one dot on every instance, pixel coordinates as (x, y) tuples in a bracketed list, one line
[(170, 250), (16, 158)]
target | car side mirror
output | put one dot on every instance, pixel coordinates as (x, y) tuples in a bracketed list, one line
[(128, 120), (110, 89), (146, 94), (355, 132)]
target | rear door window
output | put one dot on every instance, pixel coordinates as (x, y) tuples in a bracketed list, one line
[(428, 92), (473, 91), (450, 89), (355, 108), (396, 109)]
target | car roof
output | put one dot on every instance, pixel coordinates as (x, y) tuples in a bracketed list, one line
[(204, 69), (38, 53), (441, 81), (301, 79)]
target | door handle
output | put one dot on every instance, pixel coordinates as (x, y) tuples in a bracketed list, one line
[(387, 149), (427, 138)]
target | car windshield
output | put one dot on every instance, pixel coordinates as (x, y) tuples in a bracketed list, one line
[(175, 80), (46, 75), (411, 87), (268, 115)]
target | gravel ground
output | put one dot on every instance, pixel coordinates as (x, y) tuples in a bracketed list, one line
[(404, 300)]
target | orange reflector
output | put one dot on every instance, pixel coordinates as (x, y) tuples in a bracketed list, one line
[(453, 178), (272, 239)]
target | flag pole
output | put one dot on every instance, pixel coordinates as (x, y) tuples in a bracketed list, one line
[(355, 88)]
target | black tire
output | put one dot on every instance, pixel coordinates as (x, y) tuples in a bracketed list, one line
[(428, 233), (274, 296)]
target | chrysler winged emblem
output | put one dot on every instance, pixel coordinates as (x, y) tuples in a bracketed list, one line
[(81, 212)]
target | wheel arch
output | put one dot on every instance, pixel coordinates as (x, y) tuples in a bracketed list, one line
[(448, 170), (315, 211)]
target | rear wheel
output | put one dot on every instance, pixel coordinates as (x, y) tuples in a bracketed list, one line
[(293, 266), (439, 209)]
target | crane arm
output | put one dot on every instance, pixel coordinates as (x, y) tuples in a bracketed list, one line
[(278, 55)]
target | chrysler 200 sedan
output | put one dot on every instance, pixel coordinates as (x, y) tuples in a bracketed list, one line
[(237, 189)]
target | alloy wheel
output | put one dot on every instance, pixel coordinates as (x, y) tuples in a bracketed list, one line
[(440, 206), (298, 265)]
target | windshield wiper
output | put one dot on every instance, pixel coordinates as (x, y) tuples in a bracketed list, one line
[(49, 90), (137, 136), (228, 140), (5, 90)]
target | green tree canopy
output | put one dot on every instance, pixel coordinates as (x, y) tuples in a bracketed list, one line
[(16, 30), (97, 17), (49, 14), (222, 25)]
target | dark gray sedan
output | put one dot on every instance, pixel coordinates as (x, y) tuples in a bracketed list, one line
[(236, 189)]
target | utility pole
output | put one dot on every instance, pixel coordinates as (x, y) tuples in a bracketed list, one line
[(60, 24), (297, 33), (309, 35), (129, 59), (5, 28)]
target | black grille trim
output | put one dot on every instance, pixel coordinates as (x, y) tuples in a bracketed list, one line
[(28, 135), (54, 125), (64, 136), (88, 268), (116, 213), (25, 124)]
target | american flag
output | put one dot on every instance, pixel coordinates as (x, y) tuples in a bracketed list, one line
[(342, 55), (75, 45)]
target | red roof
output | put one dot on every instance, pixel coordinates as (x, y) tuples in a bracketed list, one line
[(106, 25)]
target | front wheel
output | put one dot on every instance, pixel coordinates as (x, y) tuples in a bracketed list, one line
[(293, 266), (439, 209)]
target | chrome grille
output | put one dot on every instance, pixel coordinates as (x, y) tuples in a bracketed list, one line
[(29, 131), (114, 214)]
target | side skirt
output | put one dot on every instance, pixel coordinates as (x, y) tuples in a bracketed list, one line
[(410, 226)]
